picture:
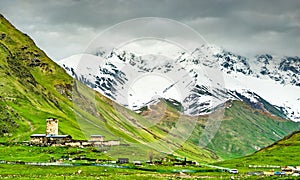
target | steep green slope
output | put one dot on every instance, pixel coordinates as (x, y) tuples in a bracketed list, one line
[(281, 153), (245, 130), (32, 88)]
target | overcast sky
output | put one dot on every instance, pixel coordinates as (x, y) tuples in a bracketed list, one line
[(65, 27)]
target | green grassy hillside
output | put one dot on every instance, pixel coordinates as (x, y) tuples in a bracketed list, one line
[(32, 88), (284, 152), (242, 130), (245, 130)]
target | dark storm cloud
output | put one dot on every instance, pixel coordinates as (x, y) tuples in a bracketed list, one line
[(63, 28), (97, 13)]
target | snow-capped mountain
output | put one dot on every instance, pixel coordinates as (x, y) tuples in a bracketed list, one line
[(201, 80)]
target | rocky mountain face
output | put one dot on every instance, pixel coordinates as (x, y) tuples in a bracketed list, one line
[(210, 76)]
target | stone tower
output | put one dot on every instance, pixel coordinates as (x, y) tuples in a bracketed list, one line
[(52, 126)]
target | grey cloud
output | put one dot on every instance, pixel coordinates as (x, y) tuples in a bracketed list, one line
[(63, 28)]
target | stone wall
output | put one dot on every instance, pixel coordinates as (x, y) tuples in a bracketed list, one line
[(97, 138), (52, 126), (107, 143), (37, 140), (89, 143)]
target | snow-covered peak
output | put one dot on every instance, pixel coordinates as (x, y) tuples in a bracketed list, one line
[(258, 81)]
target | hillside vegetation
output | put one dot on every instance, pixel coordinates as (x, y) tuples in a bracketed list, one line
[(284, 152), (245, 130)]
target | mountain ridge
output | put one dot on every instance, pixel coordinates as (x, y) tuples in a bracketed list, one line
[(233, 69)]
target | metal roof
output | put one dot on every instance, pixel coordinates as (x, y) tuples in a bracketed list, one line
[(38, 135), (57, 136)]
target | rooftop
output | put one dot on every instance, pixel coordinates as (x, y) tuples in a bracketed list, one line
[(57, 136), (38, 135)]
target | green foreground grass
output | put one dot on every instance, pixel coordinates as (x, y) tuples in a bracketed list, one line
[(44, 154), (88, 172), (92, 172), (16, 153), (84, 169)]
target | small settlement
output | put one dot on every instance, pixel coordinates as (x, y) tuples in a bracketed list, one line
[(52, 138), (285, 170)]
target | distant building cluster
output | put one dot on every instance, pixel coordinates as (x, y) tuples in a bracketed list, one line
[(285, 170), (52, 138)]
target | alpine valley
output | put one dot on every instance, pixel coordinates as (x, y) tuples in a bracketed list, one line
[(208, 105)]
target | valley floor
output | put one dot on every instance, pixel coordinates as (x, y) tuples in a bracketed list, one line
[(8, 171), (32, 162), (50, 172)]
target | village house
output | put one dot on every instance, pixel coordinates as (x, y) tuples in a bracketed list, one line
[(54, 139), (290, 170), (51, 136), (137, 163), (58, 139), (37, 138), (123, 160)]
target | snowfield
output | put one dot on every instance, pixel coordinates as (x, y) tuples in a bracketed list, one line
[(201, 82)]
